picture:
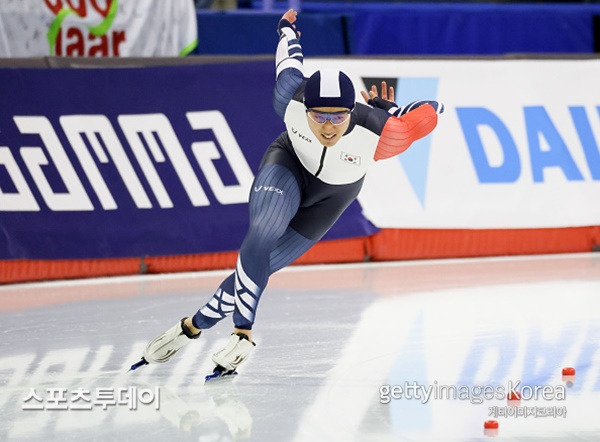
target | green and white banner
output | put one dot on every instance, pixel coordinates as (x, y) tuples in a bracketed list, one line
[(97, 28)]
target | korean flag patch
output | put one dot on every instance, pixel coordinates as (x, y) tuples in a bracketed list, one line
[(349, 158)]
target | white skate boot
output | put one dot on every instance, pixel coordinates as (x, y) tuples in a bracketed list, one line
[(235, 352), (166, 345)]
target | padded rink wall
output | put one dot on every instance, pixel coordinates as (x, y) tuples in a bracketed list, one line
[(142, 169), (387, 245)]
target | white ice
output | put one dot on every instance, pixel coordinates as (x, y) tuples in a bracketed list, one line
[(334, 342)]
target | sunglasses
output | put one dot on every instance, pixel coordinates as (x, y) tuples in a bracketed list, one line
[(336, 118)]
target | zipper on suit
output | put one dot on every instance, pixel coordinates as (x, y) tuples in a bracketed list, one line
[(322, 161)]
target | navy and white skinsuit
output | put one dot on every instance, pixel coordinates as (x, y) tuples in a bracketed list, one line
[(302, 187)]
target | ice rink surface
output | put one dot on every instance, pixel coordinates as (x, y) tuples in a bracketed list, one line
[(344, 353)]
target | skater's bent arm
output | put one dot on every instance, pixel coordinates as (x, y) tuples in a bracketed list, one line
[(400, 132), (288, 60)]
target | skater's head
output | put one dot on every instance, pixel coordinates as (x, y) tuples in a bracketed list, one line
[(329, 101), (329, 88)]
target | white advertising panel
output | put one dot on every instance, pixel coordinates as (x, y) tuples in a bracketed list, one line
[(517, 145)]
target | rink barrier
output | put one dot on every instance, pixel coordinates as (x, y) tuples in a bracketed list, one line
[(417, 277), (387, 245), (400, 244), (26, 270)]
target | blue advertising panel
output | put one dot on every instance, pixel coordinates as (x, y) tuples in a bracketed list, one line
[(124, 162)]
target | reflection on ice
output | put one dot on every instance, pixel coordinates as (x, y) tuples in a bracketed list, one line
[(59, 393)]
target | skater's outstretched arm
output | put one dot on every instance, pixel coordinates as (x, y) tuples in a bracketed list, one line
[(288, 59), (399, 127)]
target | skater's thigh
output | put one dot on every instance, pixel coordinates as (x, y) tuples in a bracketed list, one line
[(321, 207), (277, 188), (274, 197)]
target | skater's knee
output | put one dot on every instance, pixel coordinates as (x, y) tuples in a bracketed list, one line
[(262, 239)]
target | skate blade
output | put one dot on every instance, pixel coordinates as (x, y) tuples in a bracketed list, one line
[(219, 374), (139, 364)]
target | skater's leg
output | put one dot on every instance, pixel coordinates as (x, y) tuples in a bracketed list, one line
[(290, 247), (274, 200), (313, 220), (218, 307), (308, 225)]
